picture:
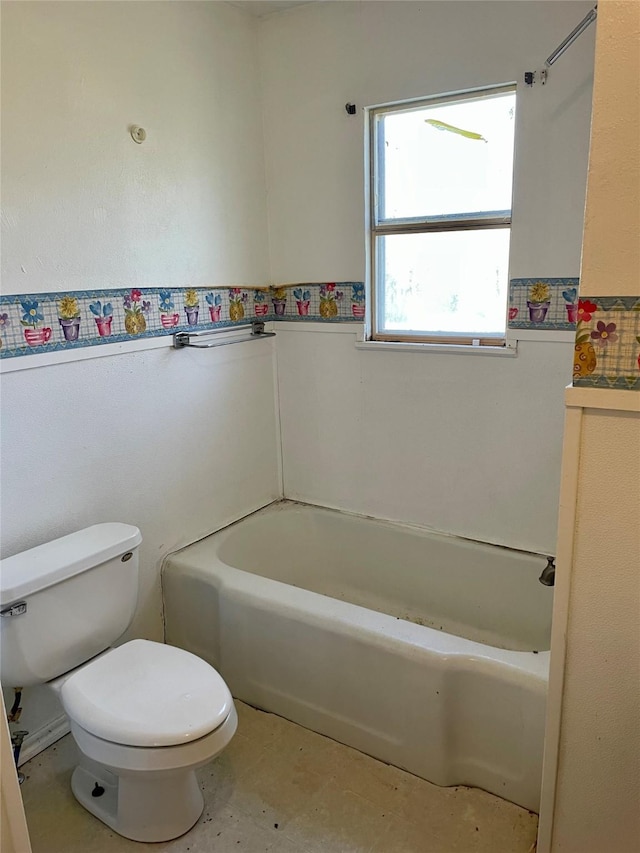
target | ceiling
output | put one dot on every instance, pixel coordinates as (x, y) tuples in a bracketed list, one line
[(261, 8)]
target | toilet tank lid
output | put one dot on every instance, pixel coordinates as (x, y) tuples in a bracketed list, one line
[(53, 562)]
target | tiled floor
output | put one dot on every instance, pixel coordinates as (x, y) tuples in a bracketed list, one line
[(279, 787)]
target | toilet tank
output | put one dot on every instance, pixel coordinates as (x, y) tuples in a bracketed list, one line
[(65, 601)]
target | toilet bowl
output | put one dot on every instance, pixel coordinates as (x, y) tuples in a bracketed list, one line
[(145, 716)]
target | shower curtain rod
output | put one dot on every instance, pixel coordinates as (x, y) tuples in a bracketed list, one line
[(589, 18)]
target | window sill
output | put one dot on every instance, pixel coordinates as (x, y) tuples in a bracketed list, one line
[(509, 351)]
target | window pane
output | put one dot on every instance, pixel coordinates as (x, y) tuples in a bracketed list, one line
[(451, 158), (452, 282)]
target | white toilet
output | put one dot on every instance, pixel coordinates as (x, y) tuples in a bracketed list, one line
[(144, 715)]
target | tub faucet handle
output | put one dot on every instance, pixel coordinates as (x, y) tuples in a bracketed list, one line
[(548, 576)]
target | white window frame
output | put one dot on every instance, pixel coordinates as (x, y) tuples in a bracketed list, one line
[(377, 227)]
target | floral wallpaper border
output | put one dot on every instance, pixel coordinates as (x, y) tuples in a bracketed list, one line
[(49, 322), (607, 347), (544, 304)]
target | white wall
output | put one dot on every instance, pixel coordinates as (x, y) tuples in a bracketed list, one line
[(598, 785), (317, 57), (382, 435), (466, 444), (83, 205), (178, 443), (182, 443), (598, 771)]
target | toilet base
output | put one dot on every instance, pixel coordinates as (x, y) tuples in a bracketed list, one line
[(139, 807)]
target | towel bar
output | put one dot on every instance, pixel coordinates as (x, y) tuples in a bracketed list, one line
[(183, 339)]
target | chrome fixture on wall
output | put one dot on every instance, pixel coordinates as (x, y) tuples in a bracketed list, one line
[(548, 576), (589, 18), (183, 339)]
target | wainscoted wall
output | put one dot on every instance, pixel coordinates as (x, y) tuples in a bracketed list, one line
[(62, 321), (183, 443), (178, 443), (51, 322)]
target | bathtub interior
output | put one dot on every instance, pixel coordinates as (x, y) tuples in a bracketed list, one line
[(257, 600), (481, 592)]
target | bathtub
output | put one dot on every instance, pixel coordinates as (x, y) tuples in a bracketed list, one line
[(426, 651)]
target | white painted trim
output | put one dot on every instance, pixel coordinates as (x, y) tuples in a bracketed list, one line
[(613, 399), (45, 359), (279, 449), (509, 351), (564, 565), (346, 328), (43, 738), (15, 836)]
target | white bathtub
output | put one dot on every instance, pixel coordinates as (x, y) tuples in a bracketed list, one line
[(426, 651)]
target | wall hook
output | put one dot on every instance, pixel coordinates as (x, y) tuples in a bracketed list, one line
[(138, 134)]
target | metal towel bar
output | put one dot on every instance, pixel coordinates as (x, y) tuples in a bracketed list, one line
[(183, 339)]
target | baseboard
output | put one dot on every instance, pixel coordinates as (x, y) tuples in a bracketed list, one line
[(44, 737)]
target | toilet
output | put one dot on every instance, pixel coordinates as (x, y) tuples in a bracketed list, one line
[(144, 715)]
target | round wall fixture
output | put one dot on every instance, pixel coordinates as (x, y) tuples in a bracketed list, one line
[(138, 134)]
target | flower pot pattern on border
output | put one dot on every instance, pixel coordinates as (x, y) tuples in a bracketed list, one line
[(237, 299), (35, 334), (113, 315), (70, 328), (303, 300), (4, 321), (135, 310), (260, 305), (103, 316), (69, 317), (543, 304), (214, 302), (37, 337), (30, 323)]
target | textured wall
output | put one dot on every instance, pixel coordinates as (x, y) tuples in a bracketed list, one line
[(84, 206), (178, 443), (599, 760), (598, 785), (611, 255), (317, 57), (461, 443), (381, 434)]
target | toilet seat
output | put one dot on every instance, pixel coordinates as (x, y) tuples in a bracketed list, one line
[(135, 759), (147, 694)]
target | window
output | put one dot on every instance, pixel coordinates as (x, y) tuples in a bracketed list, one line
[(440, 217)]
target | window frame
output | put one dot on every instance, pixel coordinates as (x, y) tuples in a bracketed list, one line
[(377, 227)]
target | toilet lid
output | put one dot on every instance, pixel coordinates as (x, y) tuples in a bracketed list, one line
[(147, 694)]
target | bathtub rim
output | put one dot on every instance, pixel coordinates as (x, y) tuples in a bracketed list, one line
[(281, 504), (315, 605)]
